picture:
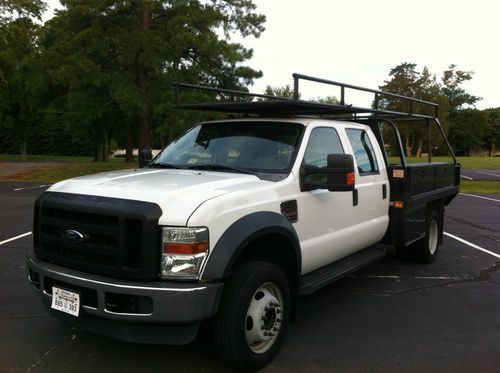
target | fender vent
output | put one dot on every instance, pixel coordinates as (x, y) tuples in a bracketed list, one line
[(290, 210)]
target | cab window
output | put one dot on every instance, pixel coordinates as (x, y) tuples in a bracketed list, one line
[(363, 151), (323, 141)]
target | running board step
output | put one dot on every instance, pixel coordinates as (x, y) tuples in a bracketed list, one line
[(315, 280)]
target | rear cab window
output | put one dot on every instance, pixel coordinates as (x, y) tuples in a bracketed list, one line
[(364, 153)]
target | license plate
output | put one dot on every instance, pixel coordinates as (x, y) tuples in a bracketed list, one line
[(65, 301)]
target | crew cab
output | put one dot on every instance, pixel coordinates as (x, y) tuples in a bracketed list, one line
[(234, 220)]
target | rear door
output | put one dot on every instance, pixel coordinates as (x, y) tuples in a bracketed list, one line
[(372, 187)]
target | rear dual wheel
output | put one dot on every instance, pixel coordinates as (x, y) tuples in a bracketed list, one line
[(253, 316), (424, 250)]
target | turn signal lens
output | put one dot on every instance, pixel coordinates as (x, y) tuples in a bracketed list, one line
[(398, 204), (350, 178), (185, 248)]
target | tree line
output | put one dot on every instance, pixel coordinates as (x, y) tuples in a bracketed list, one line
[(467, 128), (100, 72), (99, 75)]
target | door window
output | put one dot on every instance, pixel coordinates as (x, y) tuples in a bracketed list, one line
[(363, 151), (323, 141)]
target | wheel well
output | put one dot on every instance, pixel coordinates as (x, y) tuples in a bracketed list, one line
[(276, 249)]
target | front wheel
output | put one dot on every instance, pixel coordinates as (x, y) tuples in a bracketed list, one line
[(253, 316)]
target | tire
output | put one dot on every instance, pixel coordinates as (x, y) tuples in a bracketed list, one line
[(426, 249), (253, 316)]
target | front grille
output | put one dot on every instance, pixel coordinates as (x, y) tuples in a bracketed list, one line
[(134, 238), (80, 255), (115, 237), (80, 217)]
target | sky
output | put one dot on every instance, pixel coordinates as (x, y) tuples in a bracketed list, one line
[(359, 41)]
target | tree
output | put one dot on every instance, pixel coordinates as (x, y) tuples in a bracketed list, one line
[(467, 130), (467, 126), (405, 80), (128, 53), (452, 89), (285, 91), (19, 72), (328, 100), (491, 136)]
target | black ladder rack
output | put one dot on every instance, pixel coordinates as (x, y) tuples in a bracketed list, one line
[(266, 105), (241, 102)]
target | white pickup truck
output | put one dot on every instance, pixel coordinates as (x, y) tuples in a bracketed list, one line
[(234, 220)]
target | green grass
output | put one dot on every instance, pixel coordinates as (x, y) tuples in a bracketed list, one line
[(67, 171), (44, 158), (466, 162), (480, 186), (479, 162), (53, 158)]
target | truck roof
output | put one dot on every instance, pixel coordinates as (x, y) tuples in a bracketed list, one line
[(303, 120)]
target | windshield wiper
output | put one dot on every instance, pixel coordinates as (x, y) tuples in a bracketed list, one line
[(162, 165), (219, 167)]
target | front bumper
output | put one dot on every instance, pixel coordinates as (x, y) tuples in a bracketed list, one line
[(152, 312)]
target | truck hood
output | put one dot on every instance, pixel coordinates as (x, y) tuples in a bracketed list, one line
[(177, 192)]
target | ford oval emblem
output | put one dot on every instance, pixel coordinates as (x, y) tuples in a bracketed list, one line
[(72, 236)]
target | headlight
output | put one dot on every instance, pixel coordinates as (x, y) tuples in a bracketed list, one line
[(184, 251)]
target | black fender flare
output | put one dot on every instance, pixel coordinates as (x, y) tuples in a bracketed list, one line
[(241, 233)]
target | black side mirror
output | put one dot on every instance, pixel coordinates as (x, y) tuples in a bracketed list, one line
[(341, 175), (338, 175), (145, 156)]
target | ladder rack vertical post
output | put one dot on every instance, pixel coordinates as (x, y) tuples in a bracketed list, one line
[(295, 87), (342, 95), (450, 149), (429, 130), (402, 155)]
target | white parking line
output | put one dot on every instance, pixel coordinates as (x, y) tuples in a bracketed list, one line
[(15, 238), (466, 177), (473, 195), (33, 187), (415, 278), (441, 278), (487, 173), (472, 245)]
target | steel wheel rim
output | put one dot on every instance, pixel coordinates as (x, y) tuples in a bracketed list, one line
[(433, 236), (264, 318)]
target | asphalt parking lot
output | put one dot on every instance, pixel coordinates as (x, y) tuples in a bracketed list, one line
[(390, 316), (479, 174)]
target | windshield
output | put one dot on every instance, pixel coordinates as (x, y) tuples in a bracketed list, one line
[(251, 147)]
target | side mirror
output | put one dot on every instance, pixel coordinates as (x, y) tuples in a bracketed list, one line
[(145, 156), (338, 175)]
